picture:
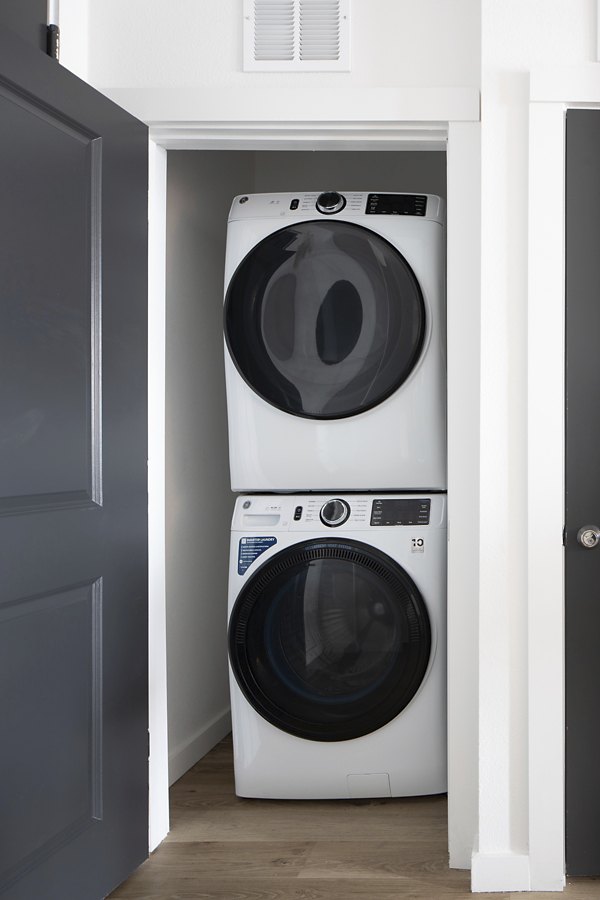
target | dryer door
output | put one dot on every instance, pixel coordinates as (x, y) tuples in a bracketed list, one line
[(324, 319), (329, 640)]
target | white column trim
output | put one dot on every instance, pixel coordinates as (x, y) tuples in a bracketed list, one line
[(545, 500), (464, 340), (500, 872)]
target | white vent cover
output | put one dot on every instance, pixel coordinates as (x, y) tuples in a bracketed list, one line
[(296, 35)]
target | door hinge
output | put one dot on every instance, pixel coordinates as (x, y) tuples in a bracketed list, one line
[(53, 41), (148, 745), (564, 536)]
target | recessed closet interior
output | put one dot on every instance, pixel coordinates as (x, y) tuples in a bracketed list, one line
[(200, 187)]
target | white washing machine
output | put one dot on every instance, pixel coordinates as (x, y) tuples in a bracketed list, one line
[(335, 342), (337, 645)]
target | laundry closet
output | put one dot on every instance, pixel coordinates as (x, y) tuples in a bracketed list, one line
[(200, 187)]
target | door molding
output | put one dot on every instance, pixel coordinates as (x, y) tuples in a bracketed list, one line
[(461, 139), (552, 92), (158, 760), (413, 118)]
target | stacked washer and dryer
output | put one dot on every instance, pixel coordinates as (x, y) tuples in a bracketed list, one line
[(336, 386)]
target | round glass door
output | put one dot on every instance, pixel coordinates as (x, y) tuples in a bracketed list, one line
[(324, 319), (329, 640)]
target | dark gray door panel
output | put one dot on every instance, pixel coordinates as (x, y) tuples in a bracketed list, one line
[(27, 18), (582, 566), (73, 490)]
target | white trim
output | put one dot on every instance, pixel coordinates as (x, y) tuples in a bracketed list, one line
[(157, 628), (300, 136), (463, 293), (324, 108), (500, 872), (545, 465), (52, 16), (464, 340), (187, 754)]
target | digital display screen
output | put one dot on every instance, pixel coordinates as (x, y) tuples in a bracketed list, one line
[(396, 205), (400, 512)]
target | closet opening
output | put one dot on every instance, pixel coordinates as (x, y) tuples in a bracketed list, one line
[(199, 503)]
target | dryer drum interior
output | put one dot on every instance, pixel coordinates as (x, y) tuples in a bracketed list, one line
[(329, 640), (324, 319)]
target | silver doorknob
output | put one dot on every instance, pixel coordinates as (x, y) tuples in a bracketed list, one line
[(589, 536)]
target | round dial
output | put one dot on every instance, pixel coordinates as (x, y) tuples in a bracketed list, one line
[(330, 202), (334, 512)]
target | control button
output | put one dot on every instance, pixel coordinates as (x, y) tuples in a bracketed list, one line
[(297, 514), (330, 202), (246, 504), (294, 204), (334, 513)]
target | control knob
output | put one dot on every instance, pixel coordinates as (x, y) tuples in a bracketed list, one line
[(334, 512), (330, 202)]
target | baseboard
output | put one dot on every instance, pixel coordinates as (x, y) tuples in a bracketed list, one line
[(500, 872), (188, 753)]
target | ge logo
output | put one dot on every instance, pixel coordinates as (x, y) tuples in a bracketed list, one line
[(418, 545)]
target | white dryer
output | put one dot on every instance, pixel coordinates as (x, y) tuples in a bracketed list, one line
[(337, 645), (335, 342)]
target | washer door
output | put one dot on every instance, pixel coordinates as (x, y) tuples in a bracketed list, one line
[(329, 640), (324, 319)]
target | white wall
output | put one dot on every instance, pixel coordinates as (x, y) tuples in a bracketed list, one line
[(198, 499), (73, 16), (150, 43)]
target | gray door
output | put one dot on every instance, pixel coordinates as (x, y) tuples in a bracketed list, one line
[(73, 493), (583, 493)]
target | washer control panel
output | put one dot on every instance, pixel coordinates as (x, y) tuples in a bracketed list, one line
[(400, 512), (334, 512), (321, 512)]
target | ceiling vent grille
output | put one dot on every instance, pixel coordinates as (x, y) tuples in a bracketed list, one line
[(296, 35)]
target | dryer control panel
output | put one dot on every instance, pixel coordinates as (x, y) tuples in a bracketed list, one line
[(345, 205), (396, 204)]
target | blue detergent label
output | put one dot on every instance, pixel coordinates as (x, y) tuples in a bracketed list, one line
[(250, 548)]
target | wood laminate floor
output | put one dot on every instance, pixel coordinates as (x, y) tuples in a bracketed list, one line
[(227, 848)]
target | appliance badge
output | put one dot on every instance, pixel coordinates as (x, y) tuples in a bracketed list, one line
[(251, 547), (417, 545)]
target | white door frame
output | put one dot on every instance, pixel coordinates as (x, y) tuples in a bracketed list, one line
[(552, 92), (461, 139)]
